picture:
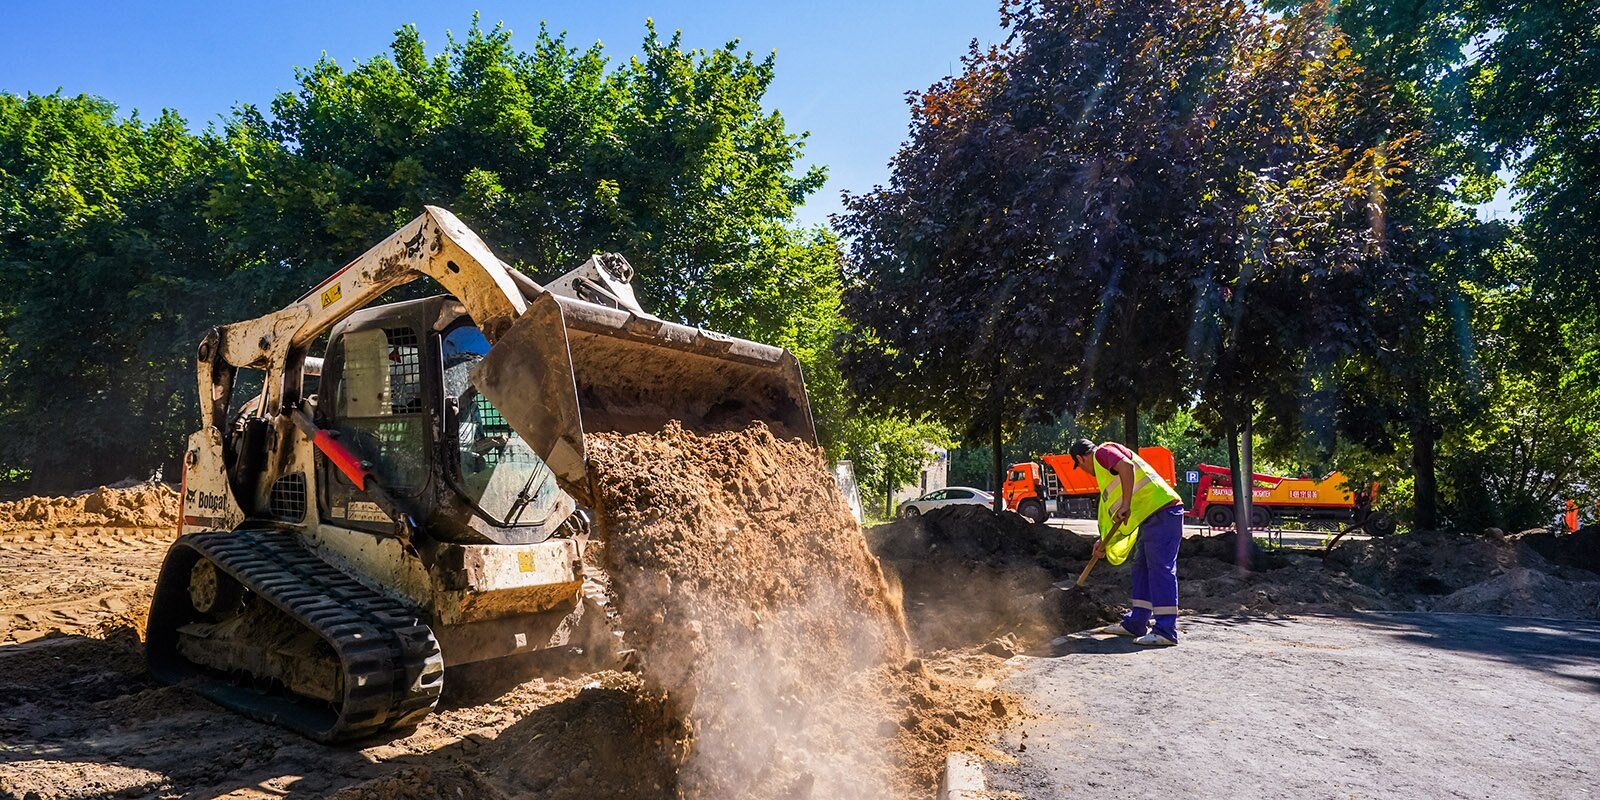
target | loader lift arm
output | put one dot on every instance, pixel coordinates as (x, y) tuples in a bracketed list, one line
[(581, 355), (436, 244)]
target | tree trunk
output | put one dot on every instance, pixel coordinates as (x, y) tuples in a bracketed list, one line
[(1424, 481), (1244, 501), (1242, 472), (1130, 423), (998, 474), (1233, 465)]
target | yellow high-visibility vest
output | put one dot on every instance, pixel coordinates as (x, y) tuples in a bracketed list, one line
[(1150, 494)]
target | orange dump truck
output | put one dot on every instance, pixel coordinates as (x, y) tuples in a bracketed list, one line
[(1276, 498), (1053, 487)]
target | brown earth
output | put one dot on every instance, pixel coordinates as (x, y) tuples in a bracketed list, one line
[(140, 505), (747, 588), (81, 717), (82, 564), (970, 576)]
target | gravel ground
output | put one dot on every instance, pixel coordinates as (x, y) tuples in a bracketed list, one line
[(1366, 705)]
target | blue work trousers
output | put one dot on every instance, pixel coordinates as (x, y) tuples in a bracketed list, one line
[(1154, 568)]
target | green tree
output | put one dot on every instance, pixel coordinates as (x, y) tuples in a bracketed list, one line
[(122, 241), (108, 274), (1128, 206), (1501, 87)]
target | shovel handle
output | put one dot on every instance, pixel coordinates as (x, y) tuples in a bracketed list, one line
[(1083, 577)]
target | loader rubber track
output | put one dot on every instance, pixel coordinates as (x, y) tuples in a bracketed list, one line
[(389, 661)]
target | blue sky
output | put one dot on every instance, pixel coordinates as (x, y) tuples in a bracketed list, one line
[(842, 71)]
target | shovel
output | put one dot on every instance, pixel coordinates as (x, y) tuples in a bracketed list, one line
[(1078, 606), (1083, 577)]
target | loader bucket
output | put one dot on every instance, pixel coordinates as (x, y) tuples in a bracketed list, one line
[(568, 367)]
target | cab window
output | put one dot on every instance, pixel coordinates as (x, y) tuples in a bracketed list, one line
[(378, 411), (378, 406), (499, 473)]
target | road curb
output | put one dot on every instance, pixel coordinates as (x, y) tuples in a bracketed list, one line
[(962, 778)]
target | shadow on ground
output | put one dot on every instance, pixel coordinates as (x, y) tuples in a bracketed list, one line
[(82, 718)]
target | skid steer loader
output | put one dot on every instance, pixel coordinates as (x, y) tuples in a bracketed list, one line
[(424, 507)]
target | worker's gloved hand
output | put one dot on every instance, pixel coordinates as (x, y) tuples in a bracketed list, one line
[(1099, 548), (1121, 512)]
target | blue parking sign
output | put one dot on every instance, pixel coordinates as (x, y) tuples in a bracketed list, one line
[(1192, 476)]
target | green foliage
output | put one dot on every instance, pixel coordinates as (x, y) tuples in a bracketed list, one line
[(1528, 100), (1504, 86), (123, 241), (551, 155), (1538, 434), (106, 267), (889, 453), (1129, 206)]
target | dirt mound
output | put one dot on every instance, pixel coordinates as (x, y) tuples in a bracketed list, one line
[(1427, 563), (148, 505), (969, 575), (747, 587), (976, 534), (1580, 549), (1527, 592)]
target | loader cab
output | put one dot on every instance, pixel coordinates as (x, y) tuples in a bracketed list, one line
[(396, 386)]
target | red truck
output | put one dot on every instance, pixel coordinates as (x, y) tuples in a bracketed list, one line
[(1053, 487)]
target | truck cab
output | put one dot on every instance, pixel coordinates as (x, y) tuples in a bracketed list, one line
[(1054, 487)]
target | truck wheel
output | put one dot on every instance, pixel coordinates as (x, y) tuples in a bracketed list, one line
[(1033, 510), (1219, 517), (1378, 524), (1260, 518)]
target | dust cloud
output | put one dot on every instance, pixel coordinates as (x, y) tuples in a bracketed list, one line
[(747, 588)]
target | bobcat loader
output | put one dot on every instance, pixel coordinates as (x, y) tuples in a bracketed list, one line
[(424, 507)]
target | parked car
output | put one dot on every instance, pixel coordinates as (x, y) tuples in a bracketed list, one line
[(948, 496)]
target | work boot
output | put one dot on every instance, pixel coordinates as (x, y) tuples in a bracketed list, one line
[(1156, 639), (1117, 629)]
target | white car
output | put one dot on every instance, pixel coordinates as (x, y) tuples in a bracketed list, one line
[(948, 496)]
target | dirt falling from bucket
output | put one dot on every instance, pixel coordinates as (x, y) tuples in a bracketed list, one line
[(748, 590)]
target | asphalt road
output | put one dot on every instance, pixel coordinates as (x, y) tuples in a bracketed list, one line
[(1360, 706)]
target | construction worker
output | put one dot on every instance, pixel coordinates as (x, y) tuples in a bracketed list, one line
[(1572, 516), (1141, 522)]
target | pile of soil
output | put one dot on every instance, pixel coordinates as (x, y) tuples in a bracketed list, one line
[(83, 564), (143, 505), (747, 588), (1580, 549), (970, 575)]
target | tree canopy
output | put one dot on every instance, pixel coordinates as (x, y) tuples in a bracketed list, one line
[(1246, 214), (1125, 206), (123, 241)]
